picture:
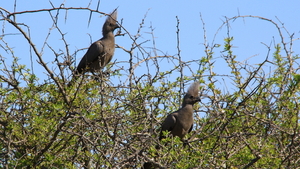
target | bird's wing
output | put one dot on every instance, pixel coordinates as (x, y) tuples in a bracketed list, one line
[(93, 53), (169, 122)]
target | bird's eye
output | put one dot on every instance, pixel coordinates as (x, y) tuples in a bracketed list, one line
[(191, 97)]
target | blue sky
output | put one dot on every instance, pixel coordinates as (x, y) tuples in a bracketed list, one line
[(248, 33)]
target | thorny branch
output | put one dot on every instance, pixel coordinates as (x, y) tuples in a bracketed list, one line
[(114, 124)]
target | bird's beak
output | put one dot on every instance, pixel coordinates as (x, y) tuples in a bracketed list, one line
[(198, 99)]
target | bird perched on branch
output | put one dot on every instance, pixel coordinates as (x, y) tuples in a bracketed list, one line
[(180, 122), (100, 52)]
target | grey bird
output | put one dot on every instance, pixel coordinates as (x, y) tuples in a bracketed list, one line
[(180, 122), (100, 52)]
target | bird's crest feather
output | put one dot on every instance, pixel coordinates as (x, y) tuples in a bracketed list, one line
[(194, 89), (112, 18)]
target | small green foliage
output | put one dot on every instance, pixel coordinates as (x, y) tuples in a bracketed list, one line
[(248, 115)]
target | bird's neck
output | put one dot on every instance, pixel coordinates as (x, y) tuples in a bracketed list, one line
[(109, 34), (186, 105), (188, 110)]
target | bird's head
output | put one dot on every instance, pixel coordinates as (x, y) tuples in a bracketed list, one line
[(192, 95), (111, 23)]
